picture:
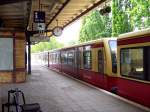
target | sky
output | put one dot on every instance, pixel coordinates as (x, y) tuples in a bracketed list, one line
[(70, 33)]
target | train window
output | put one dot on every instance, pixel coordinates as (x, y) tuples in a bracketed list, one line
[(54, 57), (113, 48), (101, 61), (46, 58), (70, 58), (87, 59), (50, 58), (132, 63), (78, 57), (57, 58), (64, 57)]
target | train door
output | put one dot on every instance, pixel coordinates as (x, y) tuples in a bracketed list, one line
[(76, 57), (147, 62), (61, 60), (78, 62), (101, 67), (75, 61), (101, 61)]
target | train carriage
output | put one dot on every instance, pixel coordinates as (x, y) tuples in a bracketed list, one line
[(134, 66), (93, 62), (54, 59), (96, 63), (118, 65)]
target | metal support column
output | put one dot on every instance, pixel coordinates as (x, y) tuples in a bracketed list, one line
[(48, 59), (29, 53)]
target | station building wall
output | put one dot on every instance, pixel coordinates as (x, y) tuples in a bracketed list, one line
[(18, 73)]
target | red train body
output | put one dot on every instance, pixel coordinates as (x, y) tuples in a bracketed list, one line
[(96, 62)]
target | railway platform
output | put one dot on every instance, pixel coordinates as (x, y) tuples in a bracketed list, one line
[(59, 93)]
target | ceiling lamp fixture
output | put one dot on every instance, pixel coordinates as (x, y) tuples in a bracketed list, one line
[(105, 10)]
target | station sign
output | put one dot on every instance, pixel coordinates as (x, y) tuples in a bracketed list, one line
[(41, 26), (39, 16), (39, 38)]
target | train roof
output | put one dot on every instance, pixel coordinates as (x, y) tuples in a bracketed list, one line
[(85, 43), (135, 33)]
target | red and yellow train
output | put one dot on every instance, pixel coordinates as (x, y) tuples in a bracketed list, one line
[(119, 65)]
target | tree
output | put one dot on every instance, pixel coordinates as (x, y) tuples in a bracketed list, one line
[(140, 14), (43, 46), (95, 26), (120, 17), (129, 15)]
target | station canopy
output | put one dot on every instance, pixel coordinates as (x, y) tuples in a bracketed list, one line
[(18, 14)]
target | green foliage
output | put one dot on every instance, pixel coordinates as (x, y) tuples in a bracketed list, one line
[(95, 26), (140, 13), (120, 18), (72, 42), (128, 15), (43, 46)]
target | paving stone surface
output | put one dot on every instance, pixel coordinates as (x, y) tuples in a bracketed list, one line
[(58, 93)]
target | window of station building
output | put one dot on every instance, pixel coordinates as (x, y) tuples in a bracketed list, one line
[(87, 59), (101, 61), (113, 48), (132, 63), (6, 54)]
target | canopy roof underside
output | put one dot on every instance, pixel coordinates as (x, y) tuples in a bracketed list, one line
[(18, 14)]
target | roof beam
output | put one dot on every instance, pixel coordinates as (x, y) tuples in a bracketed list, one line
[(28, 13), (63, 6), (4, 2), (13, 17), (85, 12)]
